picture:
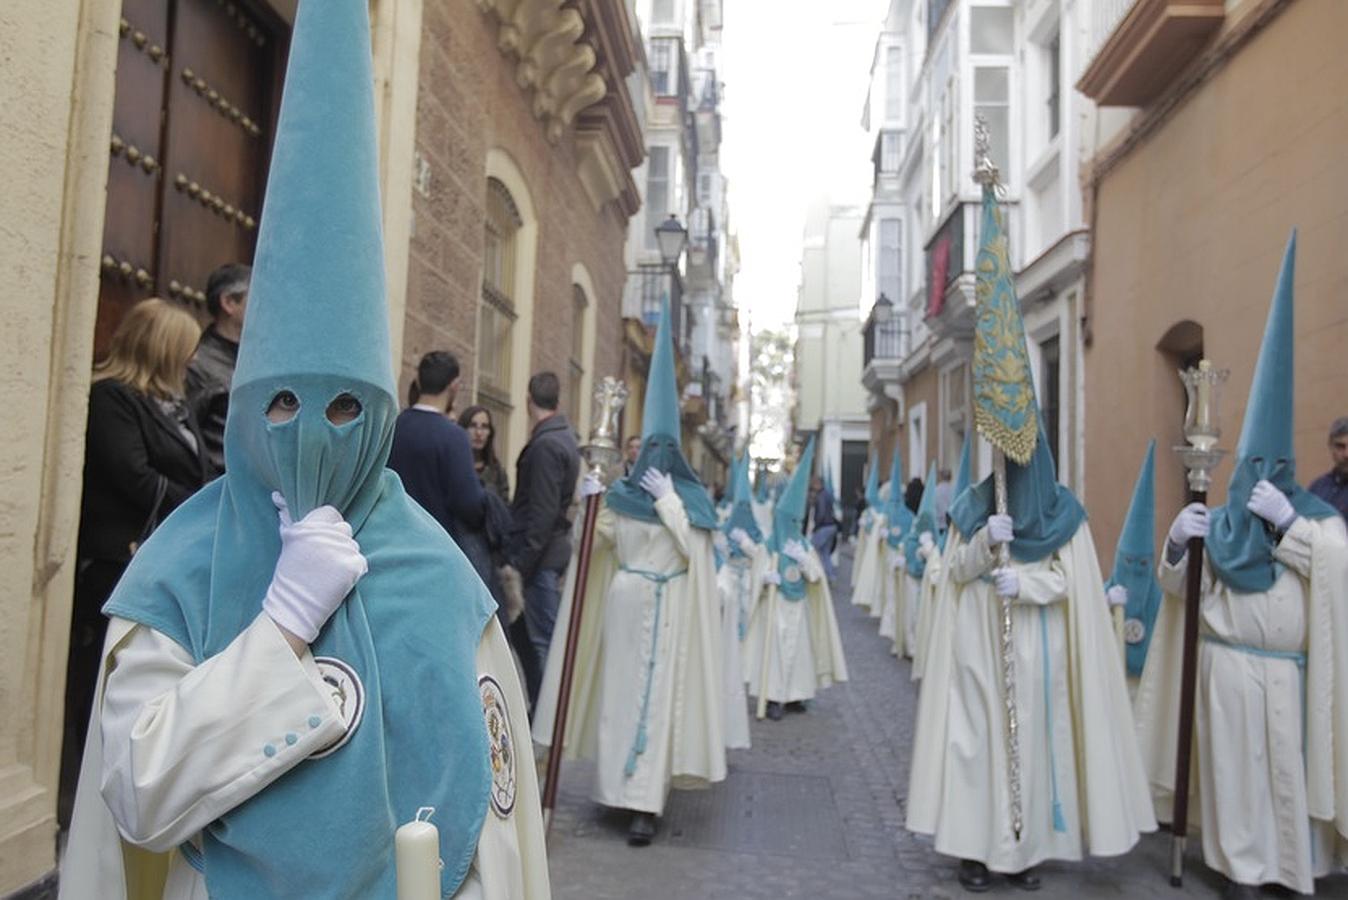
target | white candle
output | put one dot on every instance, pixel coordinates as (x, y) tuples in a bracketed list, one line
[(417, 850)]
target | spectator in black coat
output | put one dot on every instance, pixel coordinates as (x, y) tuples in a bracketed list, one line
[(144, 455), (211, 371), (545, 481)]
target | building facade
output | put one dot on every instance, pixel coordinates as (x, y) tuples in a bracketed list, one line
[(505, 212), (938, 65), (830, 403), (1225, 135)]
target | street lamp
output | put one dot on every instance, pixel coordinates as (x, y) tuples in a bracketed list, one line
[(672, 237), (884, 309)]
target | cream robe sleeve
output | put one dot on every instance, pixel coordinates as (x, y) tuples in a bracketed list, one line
[(675, 519), (812, 568), (184, 744), (973, 559)]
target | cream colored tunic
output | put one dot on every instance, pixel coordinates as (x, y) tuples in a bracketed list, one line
[(739, 583), (179, 749), (928, 593), (891, 606), (799, 637), (1249, 719), (871, 568)]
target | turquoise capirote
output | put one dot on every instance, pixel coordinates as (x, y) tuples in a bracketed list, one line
[(661, 444), (1046, 514), (788, 524), (966, 469), (873, 500), (1240, 544), (409, 630), (898, 517), (1135, 560), (924, 521), (741, 509)]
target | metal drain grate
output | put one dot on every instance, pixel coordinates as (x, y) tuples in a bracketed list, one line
[(759, 812)]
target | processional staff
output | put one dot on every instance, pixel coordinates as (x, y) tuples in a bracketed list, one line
[(601, 454), (1005, 412), (1200, 456)]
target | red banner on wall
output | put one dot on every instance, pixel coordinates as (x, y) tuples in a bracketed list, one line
[(940, 271)]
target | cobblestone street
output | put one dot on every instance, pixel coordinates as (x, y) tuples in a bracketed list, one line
[(814, 810)]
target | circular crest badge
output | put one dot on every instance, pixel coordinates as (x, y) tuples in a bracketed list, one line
[(792, 574), (348, 695), (500, 745), (1134, 631), (896, 532)]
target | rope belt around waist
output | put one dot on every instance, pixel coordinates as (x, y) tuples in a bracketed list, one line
[(659, 579), (1292, 656)]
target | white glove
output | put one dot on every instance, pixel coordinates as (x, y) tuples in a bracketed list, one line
[(319, 565), (590, 485), (718, 540), (926, 541), (1007, 581), (772, 577), (1117, 595), (1272, 505), (896, 562), (657, 484), (1192, 522), (796, 551), (1001, 529)]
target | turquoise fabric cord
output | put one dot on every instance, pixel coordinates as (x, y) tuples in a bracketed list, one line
[(660, 579), (1059, 820)]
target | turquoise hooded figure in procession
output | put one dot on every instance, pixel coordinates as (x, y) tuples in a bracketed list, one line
[(315, 806), (1135, 565), (898, 517)]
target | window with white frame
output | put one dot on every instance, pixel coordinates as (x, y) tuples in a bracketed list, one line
[(664, 66), (893, 84), (1054, 77), (657, 191), (662, 12), (891, 260), (992, 101), (990, 30), (496, 312)]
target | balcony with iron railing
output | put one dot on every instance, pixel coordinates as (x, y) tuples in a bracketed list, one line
[(882, 347), (1138, 47), (647, 286)]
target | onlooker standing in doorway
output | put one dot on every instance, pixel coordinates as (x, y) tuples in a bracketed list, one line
[(823, 524), (144, 455), (545, 480), (1332, 487), (631, 450), (211, 371), (431, 455)]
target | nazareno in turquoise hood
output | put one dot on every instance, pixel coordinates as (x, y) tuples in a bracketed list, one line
[(316, 331)]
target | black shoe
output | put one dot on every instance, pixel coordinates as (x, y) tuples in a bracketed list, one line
[(1233, 891), (974, 876), (796, 706), (774, 711), (1026, 881), (641, 830)]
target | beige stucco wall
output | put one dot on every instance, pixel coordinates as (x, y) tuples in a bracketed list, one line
[(1192, 225), (57, 94)]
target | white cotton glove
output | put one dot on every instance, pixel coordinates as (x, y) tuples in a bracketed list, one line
[(743, 541), (772, 577), (897, 561), (1272, 505), (657, 484), (719, 541), (590, 485), (796, 551), (926, 541), (1192, 522), (1001, 529), (1117, 595), (320, 563), (1007, 581)]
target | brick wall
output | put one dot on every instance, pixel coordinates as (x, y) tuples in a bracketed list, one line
[(468, 102)]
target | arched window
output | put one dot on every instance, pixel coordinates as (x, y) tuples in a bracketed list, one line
[(496, 313)]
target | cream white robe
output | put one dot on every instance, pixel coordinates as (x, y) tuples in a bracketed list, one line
[(870, 568), (1273, 806), (800, 637), (738, 583), (624, 648), (1072, 706), (179, 747), (891, 607), (927, 594), (763, 514)]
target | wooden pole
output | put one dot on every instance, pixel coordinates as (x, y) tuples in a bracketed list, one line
[(569, 658), (1179, 824)]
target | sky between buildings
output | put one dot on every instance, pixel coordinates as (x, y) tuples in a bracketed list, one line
[(796, 74)]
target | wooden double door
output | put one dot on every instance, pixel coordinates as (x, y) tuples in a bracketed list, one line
[(198, 91)]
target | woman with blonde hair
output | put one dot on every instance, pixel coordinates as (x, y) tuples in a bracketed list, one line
[(143, 456)]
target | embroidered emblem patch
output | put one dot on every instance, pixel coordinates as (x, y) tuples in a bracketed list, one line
[(1134, 631), (792, 574), (896, 532), (348, 695), (500, 744)]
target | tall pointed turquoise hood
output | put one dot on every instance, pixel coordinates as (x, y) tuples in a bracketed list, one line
[(1239, 544), (1135, 562), (788, 524), (317, 331), (661, 443), (966, 469), (873, 484), (924, 521), (741, 505), (899, 518)]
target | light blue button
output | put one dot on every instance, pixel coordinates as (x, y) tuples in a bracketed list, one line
[(269, 750), (291, 738), (315, 721)]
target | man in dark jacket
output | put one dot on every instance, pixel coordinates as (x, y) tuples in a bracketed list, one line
[(823, 524), (545, 480), (1332, 487), (212, 369)]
